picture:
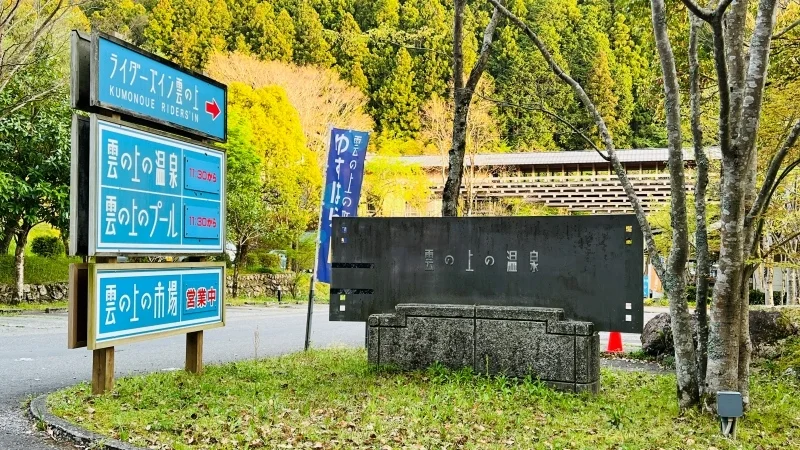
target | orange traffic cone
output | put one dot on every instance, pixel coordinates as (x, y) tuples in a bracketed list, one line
[(614, 342)]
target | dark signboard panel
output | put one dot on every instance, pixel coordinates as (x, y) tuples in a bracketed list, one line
[(591, 266)]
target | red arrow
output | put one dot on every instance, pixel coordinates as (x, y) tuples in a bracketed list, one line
[(213, 108)]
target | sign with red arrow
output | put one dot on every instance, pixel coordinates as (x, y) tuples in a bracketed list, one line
[(138, 84), (213, 108)]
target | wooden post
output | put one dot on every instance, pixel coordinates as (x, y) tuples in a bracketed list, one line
[(102, 370), (103, 358), (194, 352)]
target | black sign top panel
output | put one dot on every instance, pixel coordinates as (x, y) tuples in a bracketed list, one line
[(590, 266)]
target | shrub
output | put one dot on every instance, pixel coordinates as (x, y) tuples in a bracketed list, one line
[(271, 261), (757, 297), (691, 293), (47, 246)]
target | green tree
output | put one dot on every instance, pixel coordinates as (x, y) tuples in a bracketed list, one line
[(310, 45), (34, 163), (396, 99), (392, 186), (246, 212), (350, 51), (125, 17), (290, 175), (271, 36), (188, 31)]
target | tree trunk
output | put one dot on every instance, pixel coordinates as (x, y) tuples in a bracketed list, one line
[(792, 298), (8, 236), (675, 280), (724, 330), (241, 257), (703, 269), (768, 281), (784, 285), (758, 278), (462, 96), (19, 263)]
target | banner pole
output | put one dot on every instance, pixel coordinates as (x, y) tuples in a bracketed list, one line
[(316, 248)]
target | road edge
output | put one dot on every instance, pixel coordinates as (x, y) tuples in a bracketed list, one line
[(61, 429)]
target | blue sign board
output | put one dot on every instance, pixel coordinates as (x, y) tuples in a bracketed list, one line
[(343, 179), (136, 301), (646, 283), (150, 194), (130, 81)]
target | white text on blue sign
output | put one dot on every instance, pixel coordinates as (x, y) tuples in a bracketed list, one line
[(156, 194), (135, 303), (134, 83)]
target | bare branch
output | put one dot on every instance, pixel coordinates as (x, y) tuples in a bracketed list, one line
[(788, 28), (21, 103), (721, 67), (769, 185), (723, 5), (29, 47), (605, 136), (756, 77), (483, 58), (780, 244), (11, 14), (552, 115), (458, 48), (703, 13)]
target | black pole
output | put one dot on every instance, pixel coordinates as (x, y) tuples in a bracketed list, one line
[(310, 308)]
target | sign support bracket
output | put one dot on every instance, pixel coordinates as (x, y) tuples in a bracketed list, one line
[(103, 358), (194, 352)]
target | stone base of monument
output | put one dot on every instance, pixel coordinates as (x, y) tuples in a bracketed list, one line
[(515, 341)]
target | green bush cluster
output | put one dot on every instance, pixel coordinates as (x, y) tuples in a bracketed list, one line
[(47, 246), (758, 298), (263, 262)]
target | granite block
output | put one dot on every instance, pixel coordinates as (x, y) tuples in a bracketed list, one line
[(423, 310), (518, 313), (492, 340), (519, 348), (425, 341)]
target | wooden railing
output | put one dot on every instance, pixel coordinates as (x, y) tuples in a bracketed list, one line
[(601, 194)]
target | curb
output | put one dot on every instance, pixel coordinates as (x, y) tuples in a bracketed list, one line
[(62, 429)]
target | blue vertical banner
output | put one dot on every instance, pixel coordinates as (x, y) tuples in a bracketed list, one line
[(343, 179)]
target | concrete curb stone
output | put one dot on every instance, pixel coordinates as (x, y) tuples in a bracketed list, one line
[(62, 429)]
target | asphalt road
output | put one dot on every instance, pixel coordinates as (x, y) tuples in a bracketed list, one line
[(34, 358)]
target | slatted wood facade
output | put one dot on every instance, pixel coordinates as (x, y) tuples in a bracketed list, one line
[(573, 181)]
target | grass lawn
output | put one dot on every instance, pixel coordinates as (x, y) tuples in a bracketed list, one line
[(332, 399), (271, 301), (28, 306)]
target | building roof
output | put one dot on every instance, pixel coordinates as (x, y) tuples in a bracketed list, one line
[(557, 158)]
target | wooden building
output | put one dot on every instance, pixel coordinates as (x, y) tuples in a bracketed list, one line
[(574, 181)]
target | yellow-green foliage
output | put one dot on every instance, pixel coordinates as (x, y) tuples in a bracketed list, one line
[(391, 185), (290, 177)]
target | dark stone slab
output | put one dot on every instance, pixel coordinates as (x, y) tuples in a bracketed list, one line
[(593, 388), (588, 266)]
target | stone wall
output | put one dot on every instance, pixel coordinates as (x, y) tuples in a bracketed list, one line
[(516, 341), (36, 293), (251, 285), (256, 285)]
